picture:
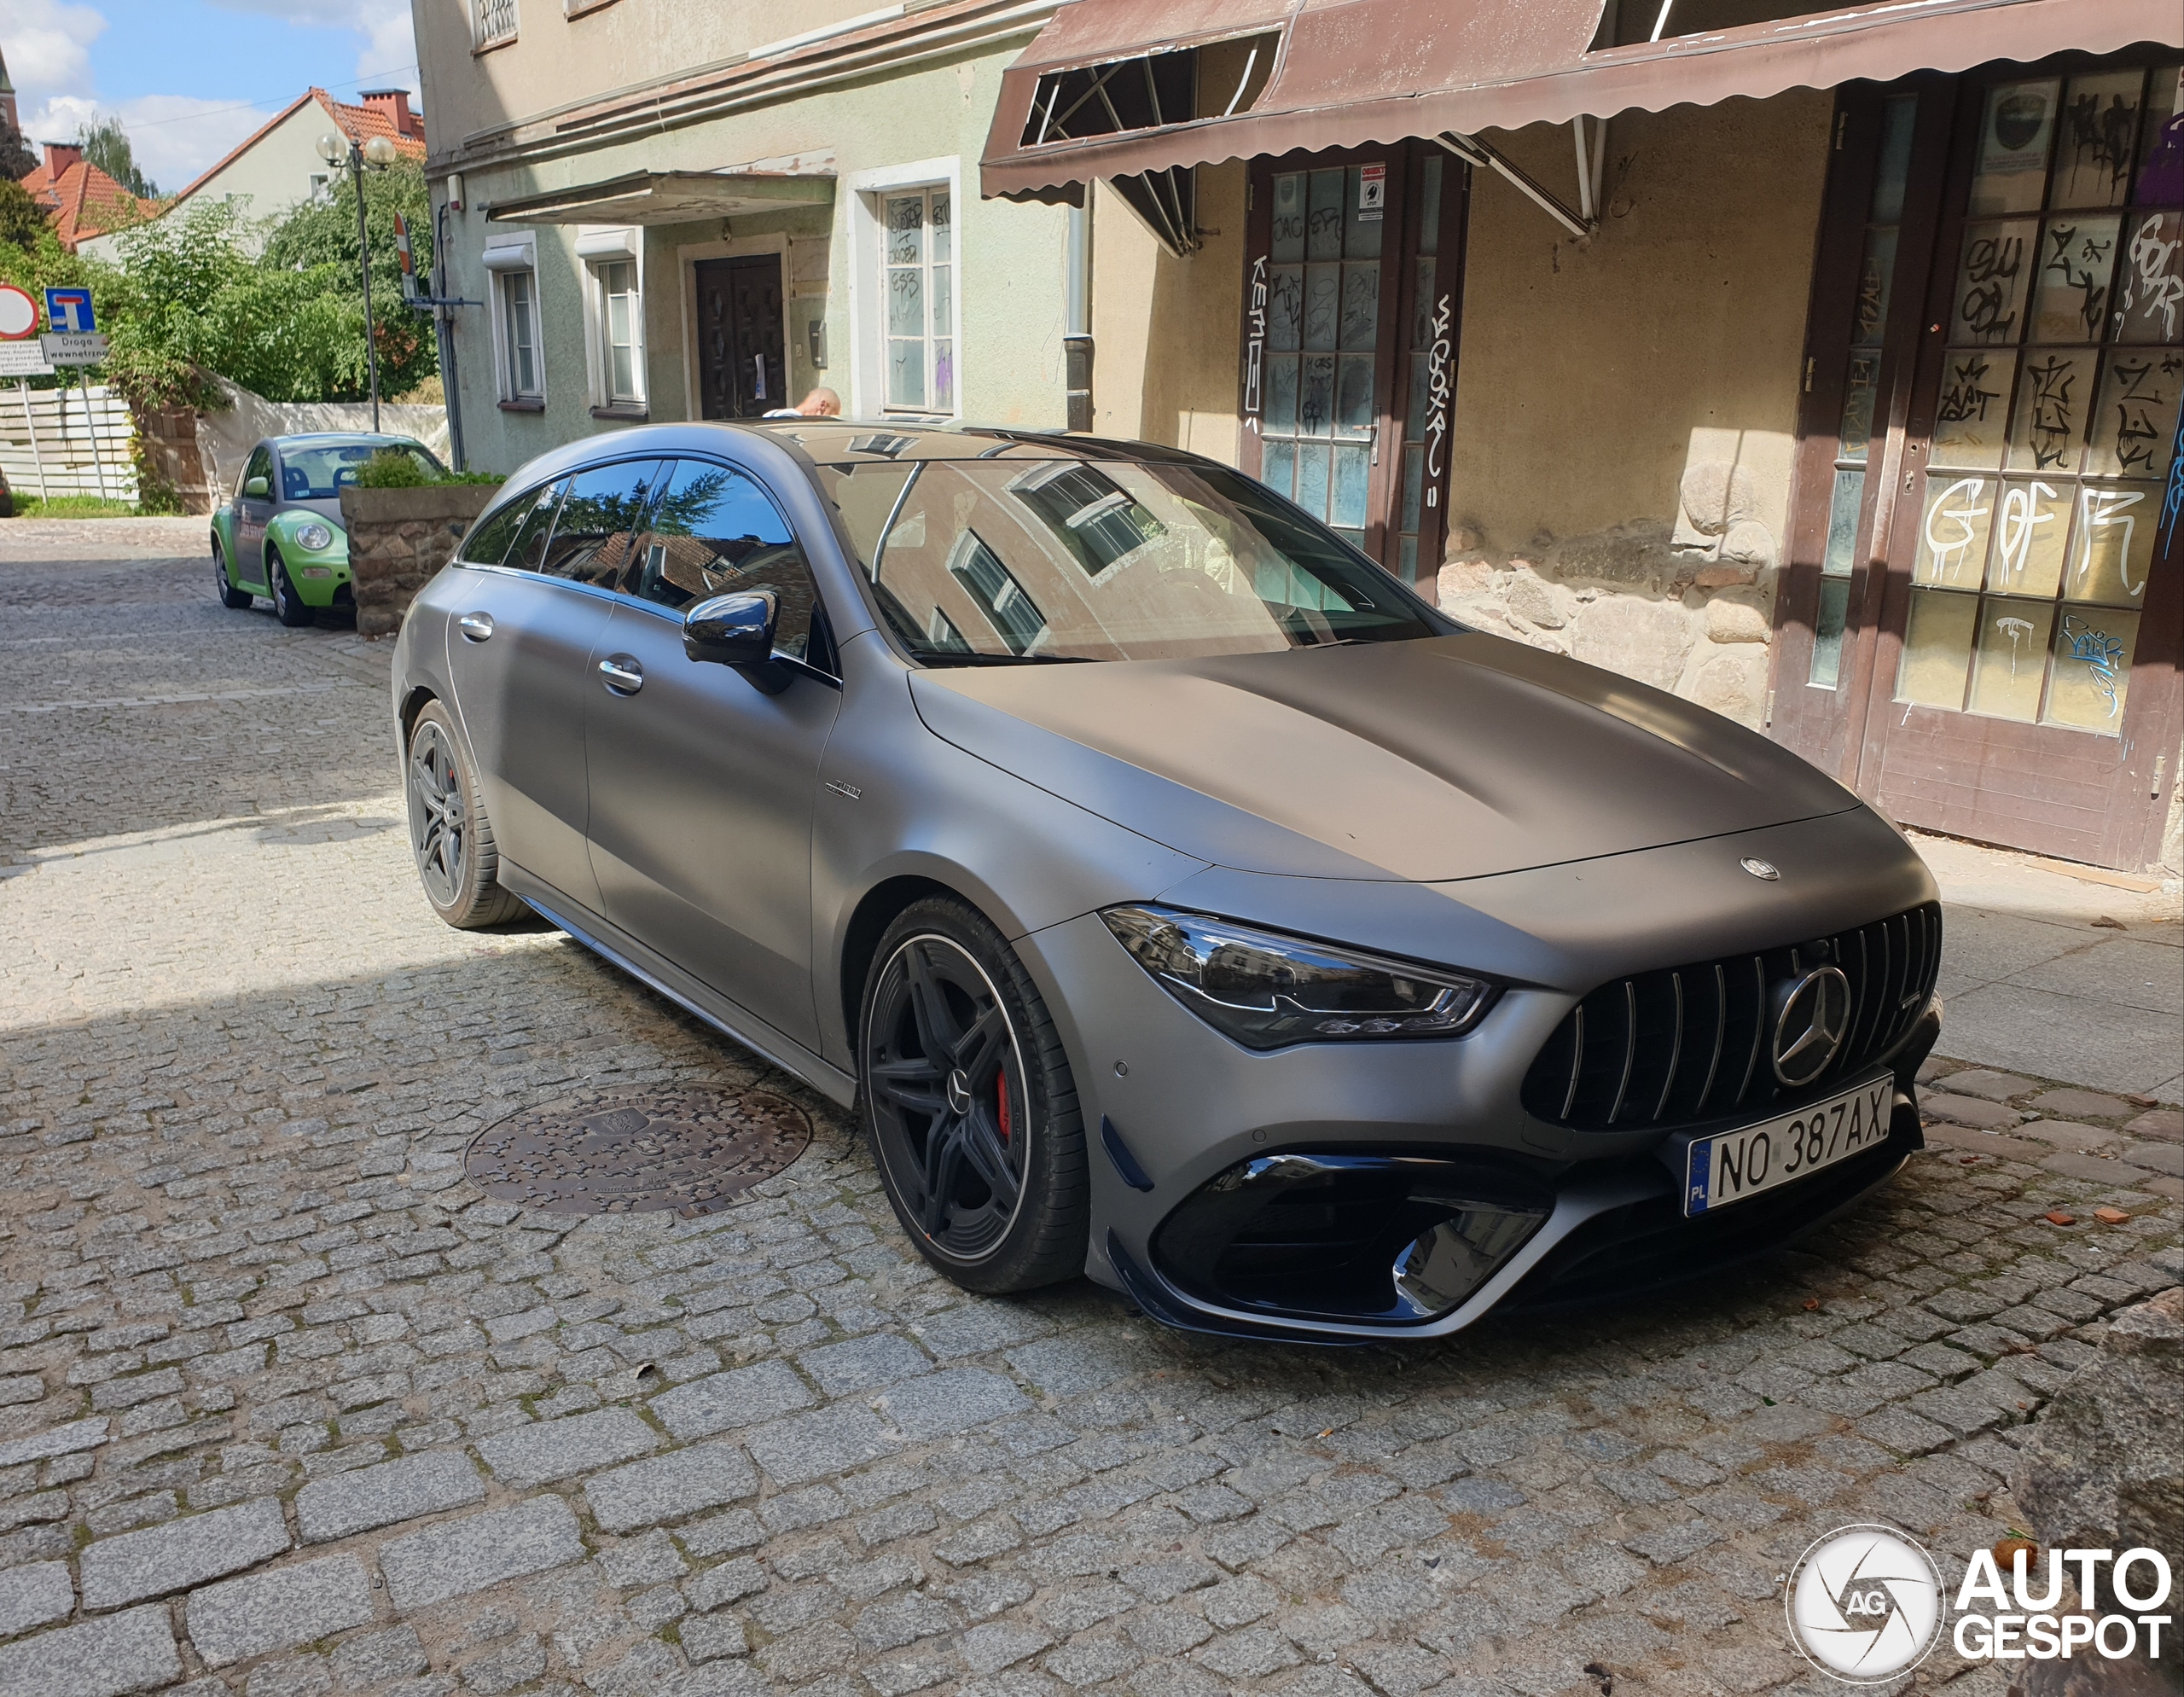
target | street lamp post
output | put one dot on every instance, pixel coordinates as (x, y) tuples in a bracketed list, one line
[(378, 153)]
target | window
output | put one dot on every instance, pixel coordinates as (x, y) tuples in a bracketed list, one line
[(595, 534), (716, 532), (528, 551), (260, 465), (487, 544), (624, 348), (523, 378), (918, 289), (493, 22), (1097, 521)]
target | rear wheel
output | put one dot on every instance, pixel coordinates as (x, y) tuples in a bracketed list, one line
[(289, 607), (230, 597), (966, 1098), (449, 833)]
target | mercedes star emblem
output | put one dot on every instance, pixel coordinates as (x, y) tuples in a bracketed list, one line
[(1760, 868), (1810, 1031)]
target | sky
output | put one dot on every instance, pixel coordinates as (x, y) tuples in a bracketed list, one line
[(189, 79)]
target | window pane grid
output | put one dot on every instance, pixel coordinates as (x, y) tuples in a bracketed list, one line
[(919, 288), (2059, 406)]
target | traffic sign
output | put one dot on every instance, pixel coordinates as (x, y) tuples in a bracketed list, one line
[(18, 314), (68, 312), (24, 359), (74, 350)]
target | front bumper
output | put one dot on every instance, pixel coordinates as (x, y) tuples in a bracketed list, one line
[(1176, 1112)]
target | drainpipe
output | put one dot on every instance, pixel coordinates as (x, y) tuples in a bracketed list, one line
[(444, 331), (1076, 330)]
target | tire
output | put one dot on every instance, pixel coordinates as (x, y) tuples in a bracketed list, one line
[(288, 607), (233, 599), (449, 837), (950, 1139)]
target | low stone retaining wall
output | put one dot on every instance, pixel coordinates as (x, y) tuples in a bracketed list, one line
[(397, 538)]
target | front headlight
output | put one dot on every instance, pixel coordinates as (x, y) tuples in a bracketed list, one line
[(313, 536), (1268, 991)]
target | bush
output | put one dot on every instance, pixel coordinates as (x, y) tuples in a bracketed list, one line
[(398, 468)]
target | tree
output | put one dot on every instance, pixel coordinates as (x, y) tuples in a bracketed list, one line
[(22, 220), (105, 145), (17, 161), (321, 235)]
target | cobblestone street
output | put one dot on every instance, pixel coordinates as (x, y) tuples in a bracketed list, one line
[(287, 1407)]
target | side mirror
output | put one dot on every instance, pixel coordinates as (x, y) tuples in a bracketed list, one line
[(738, 630), (256, 489)]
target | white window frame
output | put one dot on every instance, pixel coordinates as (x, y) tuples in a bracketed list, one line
[(598, 247), (483, 14), (506, 256), (866, 212)]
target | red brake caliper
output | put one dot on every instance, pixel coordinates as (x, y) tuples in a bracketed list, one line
[(1001, 1102)]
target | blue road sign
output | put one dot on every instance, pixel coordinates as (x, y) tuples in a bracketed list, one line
[(68, 310)]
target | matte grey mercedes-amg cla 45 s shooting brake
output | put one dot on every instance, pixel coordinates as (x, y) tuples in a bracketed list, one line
[(1178, 899)]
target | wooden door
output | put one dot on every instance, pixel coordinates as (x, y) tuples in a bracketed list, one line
[(743, 363), (1353, 293), (1983, 637)]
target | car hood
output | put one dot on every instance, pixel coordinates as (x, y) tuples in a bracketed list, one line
[(1447, 758), (329, 510)]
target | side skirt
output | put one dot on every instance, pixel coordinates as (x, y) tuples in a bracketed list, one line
[(618, 948)]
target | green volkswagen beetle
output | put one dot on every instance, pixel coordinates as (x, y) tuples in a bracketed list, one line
[(282, 536)]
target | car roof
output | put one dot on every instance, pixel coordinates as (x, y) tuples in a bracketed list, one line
[(335, 439), (841, 441)]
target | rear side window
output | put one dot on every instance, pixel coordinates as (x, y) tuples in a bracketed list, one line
[(487, 544), (529, 547), (595, 533)]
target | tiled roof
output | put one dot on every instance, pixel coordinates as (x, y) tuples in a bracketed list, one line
[(85, 202), (359, 122)]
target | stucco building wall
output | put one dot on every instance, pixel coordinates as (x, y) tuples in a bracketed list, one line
[(1626, 409)]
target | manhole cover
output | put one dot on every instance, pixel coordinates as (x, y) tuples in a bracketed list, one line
[(639, 1152)]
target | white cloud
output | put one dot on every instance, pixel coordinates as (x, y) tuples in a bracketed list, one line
[(48, 47), (174, 137)]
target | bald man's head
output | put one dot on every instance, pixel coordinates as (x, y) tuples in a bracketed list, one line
[(821, 404)]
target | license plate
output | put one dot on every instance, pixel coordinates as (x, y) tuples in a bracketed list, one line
[(1736, 1165)]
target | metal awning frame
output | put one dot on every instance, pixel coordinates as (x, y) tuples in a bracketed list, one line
[(1584, 221)]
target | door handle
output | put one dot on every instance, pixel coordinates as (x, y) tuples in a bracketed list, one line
[(476, 627), (624, 676)]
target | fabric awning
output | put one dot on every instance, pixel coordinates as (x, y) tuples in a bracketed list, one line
[(1364, 72), (669, 197)]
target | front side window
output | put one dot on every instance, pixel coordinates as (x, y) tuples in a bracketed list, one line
[(621, 334), (260, 465), (595, 533), (522, 373), (716, 532), (918, 287), (1021, 557)]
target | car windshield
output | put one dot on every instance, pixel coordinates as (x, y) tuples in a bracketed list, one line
[(1005, 559), (322, 472)]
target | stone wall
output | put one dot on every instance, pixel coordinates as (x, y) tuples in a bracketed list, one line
[(399, 538), (1685, 606)]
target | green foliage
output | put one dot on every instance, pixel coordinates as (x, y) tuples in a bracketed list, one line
[(71, 507), (22, 220), (105, 145), (398, 468), (320, 237), (17, 161)]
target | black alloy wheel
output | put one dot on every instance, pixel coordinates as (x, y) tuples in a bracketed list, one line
[(968, 1101), (449, 834), (288, 607), (233, 599)]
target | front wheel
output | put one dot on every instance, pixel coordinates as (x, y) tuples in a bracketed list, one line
[(233, 599), (968, 1102), (449, 833), (288, 607)]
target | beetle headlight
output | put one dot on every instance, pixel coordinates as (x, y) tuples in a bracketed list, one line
[(1267, 990), (313, 536)]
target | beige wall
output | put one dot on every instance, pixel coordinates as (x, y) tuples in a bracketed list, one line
[(1166, 331), (1588, 372)]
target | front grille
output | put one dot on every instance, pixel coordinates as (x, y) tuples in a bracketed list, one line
[(1689, 1044)]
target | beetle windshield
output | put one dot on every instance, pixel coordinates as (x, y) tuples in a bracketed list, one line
[(321, 471), (1000, 560)]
